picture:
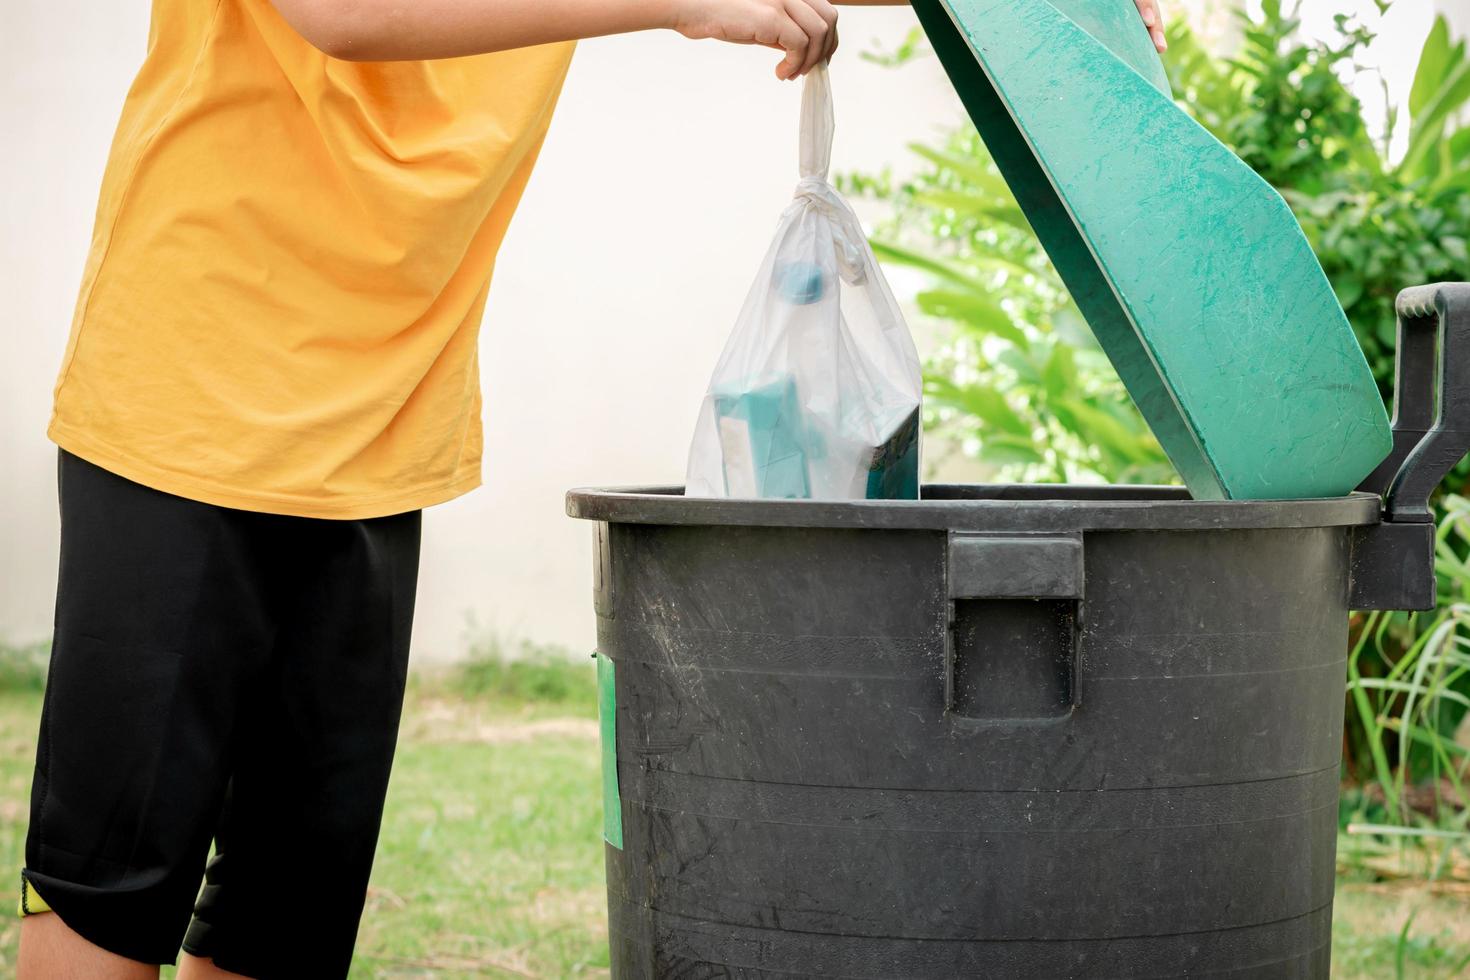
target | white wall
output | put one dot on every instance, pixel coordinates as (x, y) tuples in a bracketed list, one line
[(64, 67), (1457, 12), (654, 202)]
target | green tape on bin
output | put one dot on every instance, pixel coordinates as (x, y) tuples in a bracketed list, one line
[(1192, 271), (607, 710)]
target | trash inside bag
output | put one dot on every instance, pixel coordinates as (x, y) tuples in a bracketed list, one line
[(817, 393)]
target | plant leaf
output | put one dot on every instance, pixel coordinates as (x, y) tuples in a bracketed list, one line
[(1009, 449), (975, 310), (1097, 426), (966, 203), (1434, 62), (1059, 374), (974, 171), (1426, 130), (935, 267), (986, 404)]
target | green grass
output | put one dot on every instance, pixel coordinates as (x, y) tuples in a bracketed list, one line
[(23, 668), (1409, 694), (490, 862), (491, 857), (20, 711), (525, 673), (1403, 930)]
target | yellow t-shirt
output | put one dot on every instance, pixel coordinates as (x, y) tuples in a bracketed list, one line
[(281, 307)]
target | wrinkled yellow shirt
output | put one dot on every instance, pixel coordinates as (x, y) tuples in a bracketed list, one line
[(281, 307)]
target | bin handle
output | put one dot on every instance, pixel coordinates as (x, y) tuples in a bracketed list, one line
[(1016, 566), (1431, 418)]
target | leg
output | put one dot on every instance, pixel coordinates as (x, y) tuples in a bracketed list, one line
[(159, 619), (51, 950), (294, 850), (194, 968)]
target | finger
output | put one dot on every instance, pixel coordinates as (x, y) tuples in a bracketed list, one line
[(1154, 21), (778, 31), (822, 45), (815, 28), (794, 41), (828, 13)]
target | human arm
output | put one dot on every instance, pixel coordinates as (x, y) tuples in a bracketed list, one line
[(391, 30)]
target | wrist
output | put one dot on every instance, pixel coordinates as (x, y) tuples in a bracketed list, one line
[(668, 14)]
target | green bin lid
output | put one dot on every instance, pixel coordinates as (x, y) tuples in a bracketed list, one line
[(1191, 270)]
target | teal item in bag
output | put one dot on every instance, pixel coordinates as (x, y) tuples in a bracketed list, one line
[(764, 442), (894, 473), (766, 449), (1191, 270)]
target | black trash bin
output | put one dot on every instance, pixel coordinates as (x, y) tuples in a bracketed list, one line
[(1023, 731)]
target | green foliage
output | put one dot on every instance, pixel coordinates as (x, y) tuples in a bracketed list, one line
[(1282, 104), (1409, 694), (24, 668), (909, 48), (527, 674)]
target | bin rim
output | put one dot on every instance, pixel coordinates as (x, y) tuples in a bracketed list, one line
[(1001, 508)]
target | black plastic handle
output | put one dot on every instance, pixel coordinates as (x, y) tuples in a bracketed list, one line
[(1431, 416), (1014, 647)]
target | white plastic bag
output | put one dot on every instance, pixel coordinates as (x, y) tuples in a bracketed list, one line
[(817, 393)]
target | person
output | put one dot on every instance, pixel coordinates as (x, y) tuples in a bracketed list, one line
[(271, 372)]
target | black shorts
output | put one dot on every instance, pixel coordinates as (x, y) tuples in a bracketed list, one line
[(226, 676)]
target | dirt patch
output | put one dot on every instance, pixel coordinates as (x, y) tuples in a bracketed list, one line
[(438, 964), (555, 907), (1439, 909)]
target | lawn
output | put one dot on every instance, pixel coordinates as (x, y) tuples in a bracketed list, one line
[(491, 858), (490, 863)]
